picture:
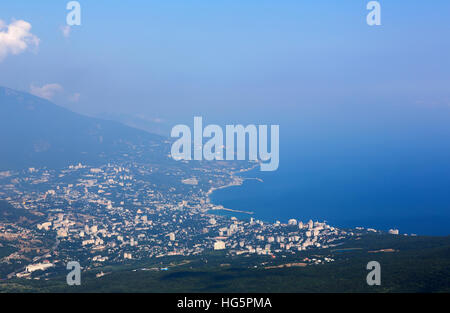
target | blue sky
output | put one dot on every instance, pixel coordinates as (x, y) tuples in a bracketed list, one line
[(249, 60)]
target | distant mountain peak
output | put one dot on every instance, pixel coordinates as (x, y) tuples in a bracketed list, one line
[(36, 132)]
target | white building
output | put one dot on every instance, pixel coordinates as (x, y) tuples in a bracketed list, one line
[(45, 226), (219, 245), (393, 231), (38, 267)]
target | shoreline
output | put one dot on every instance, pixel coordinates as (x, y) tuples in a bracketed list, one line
[(238, 181), (412, 227)]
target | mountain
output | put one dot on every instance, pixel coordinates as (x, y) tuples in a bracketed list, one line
[(153, 126), (35, 132)]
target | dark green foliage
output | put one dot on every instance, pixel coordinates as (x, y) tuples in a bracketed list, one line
[(10, 214), (420, 264)]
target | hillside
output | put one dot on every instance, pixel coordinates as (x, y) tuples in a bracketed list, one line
[(35, 132), (10, 214)]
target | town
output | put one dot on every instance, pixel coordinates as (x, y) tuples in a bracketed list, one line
[(114, 213)]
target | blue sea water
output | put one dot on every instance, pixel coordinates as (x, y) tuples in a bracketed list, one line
[(382, 181)]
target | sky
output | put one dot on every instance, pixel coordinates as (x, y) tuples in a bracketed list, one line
[(230, 61)]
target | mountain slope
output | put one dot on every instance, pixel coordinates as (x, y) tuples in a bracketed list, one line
[(10, 214), (36, 132)]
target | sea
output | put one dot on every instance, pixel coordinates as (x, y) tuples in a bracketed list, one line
[(383, 185)]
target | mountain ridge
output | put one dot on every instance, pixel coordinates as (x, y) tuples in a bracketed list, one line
[(37, 132)]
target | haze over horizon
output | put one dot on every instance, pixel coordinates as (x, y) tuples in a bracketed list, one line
[(240, 60)]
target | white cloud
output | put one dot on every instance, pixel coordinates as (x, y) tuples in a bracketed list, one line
[(158, 120), (15, 38), (66, 31), (75, 97), (47, 91)]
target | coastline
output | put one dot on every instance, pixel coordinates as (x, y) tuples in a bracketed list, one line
[(237, 181)]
